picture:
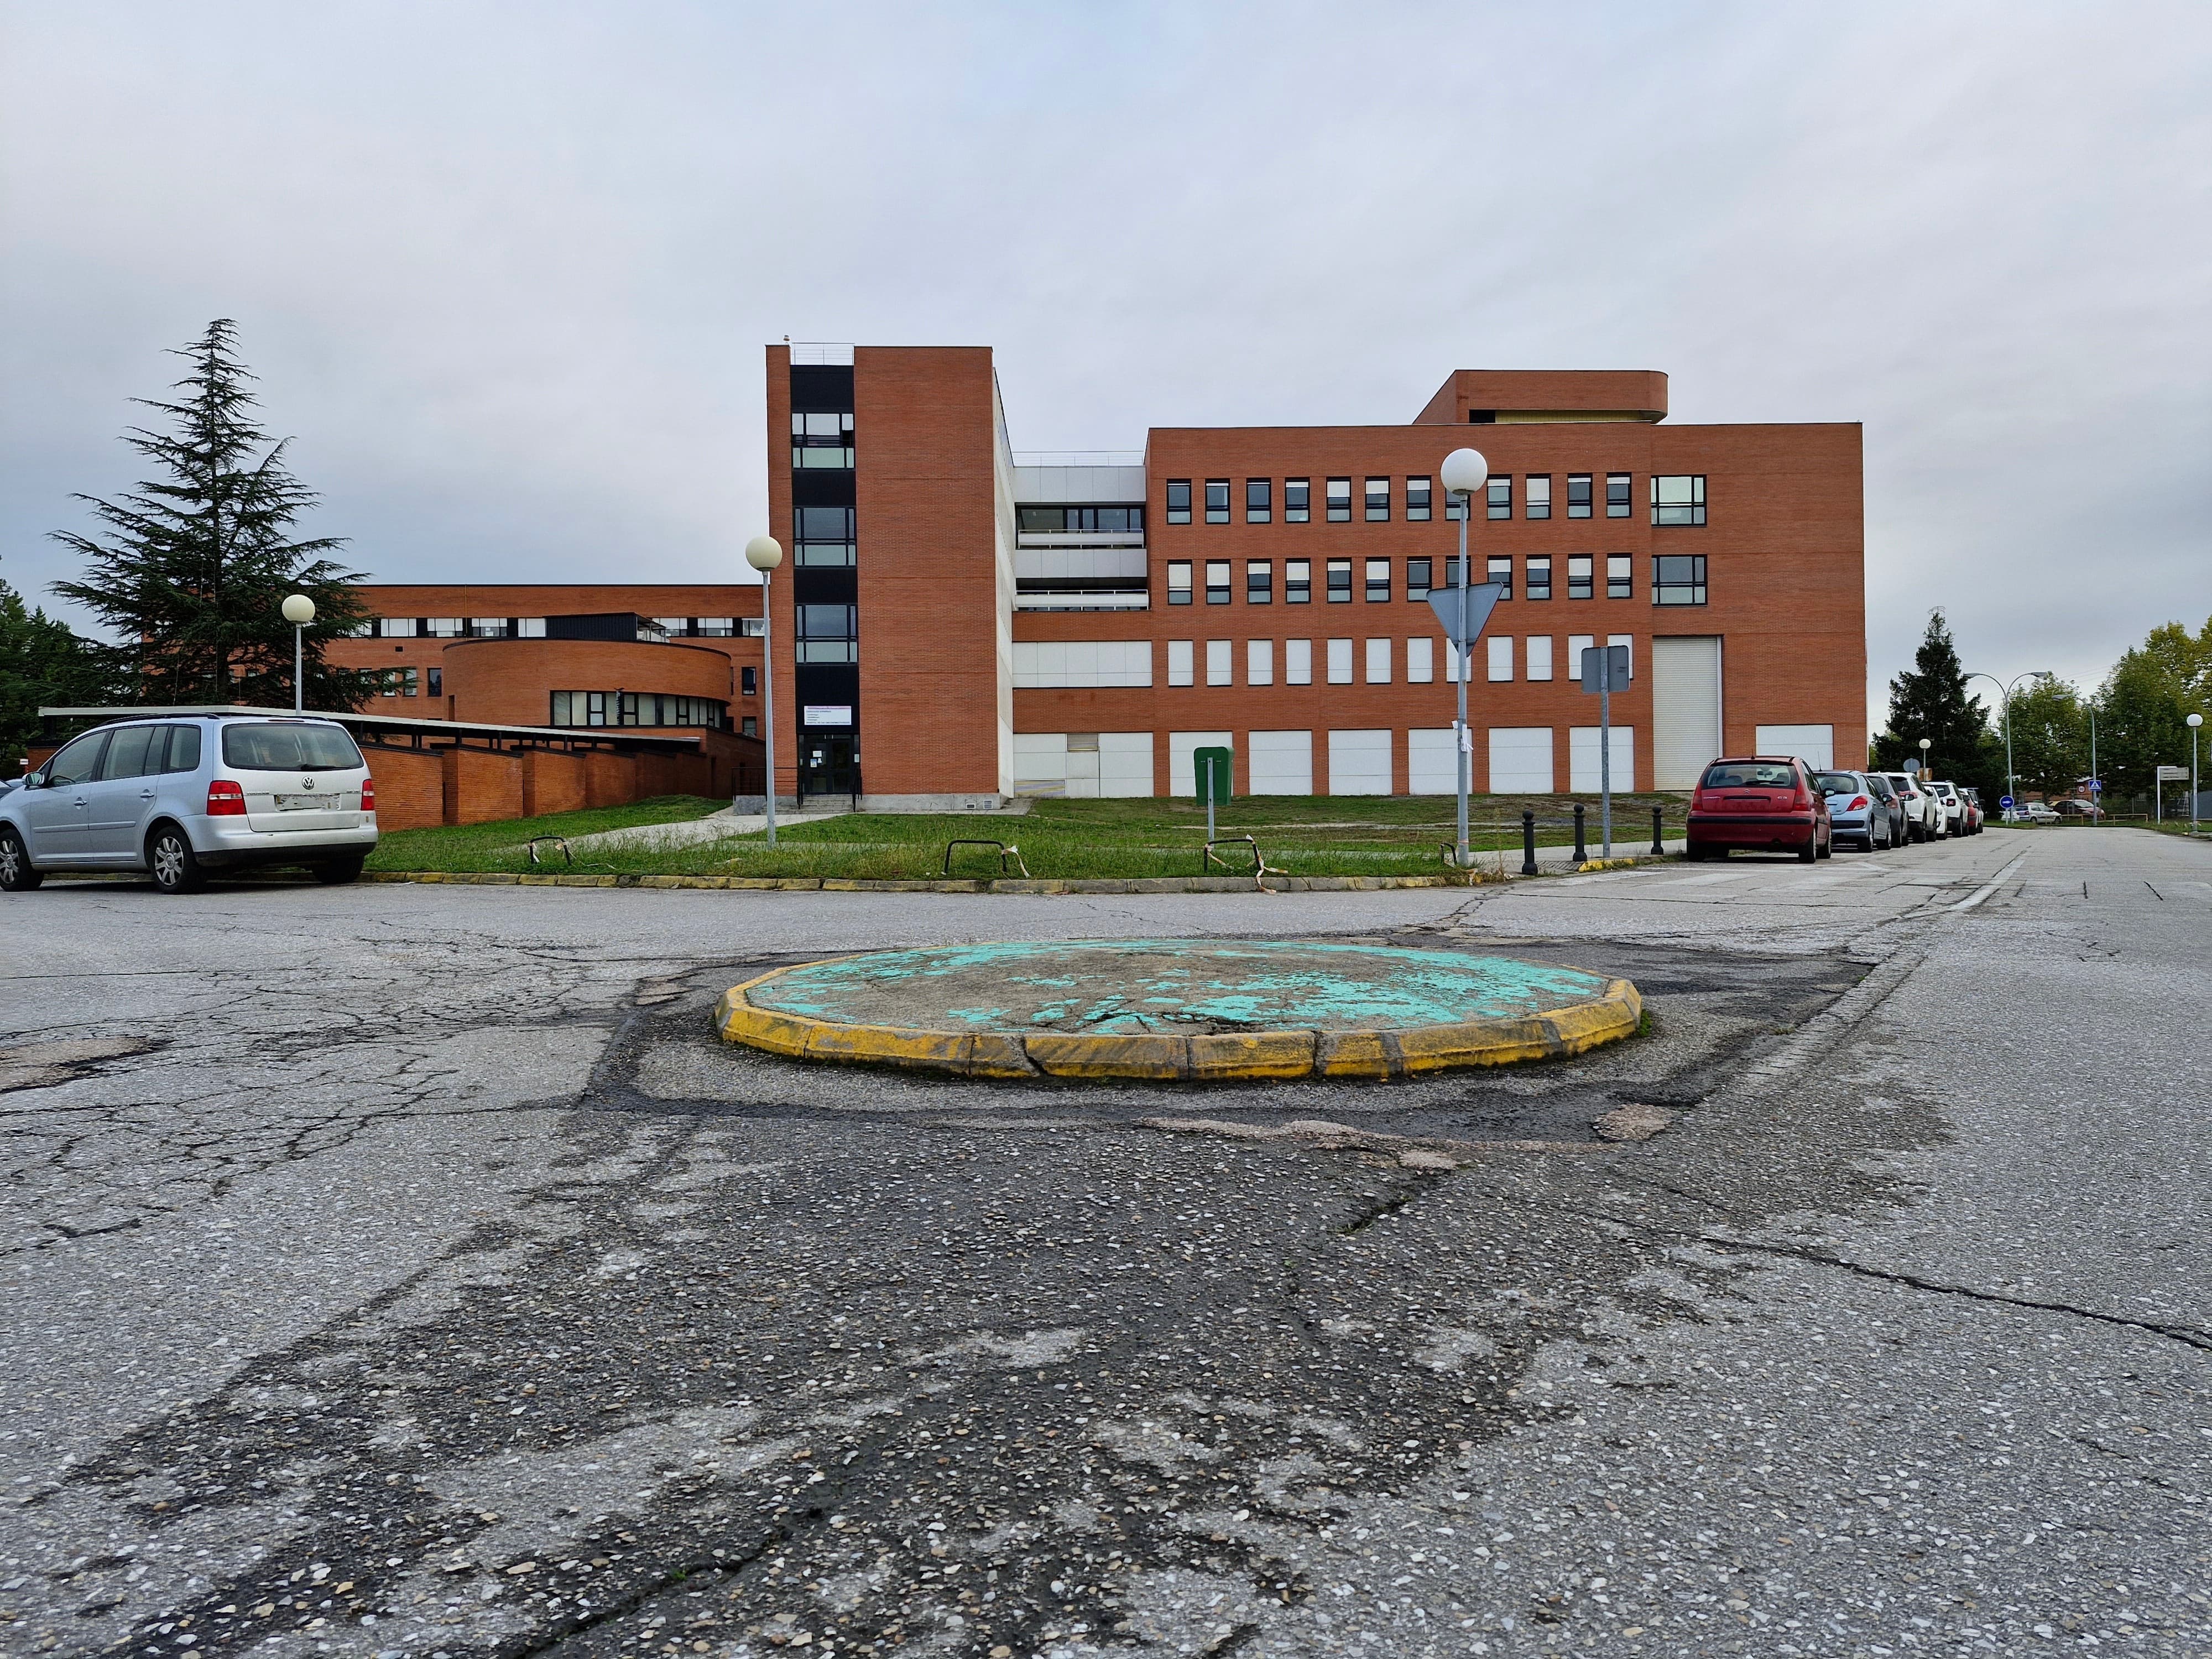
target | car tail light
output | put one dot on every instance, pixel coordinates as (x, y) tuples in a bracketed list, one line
[(225, 799), (368, 794), (1858, 803)]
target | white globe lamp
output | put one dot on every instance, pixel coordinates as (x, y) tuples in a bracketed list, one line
[(299, 611)]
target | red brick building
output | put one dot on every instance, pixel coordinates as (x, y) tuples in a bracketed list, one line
[(954, 623)]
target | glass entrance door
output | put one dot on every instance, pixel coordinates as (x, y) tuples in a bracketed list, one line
[(829, 766)]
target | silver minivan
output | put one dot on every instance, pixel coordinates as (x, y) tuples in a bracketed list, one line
[(181, 796)]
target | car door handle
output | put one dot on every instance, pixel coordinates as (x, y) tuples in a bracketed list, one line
[(145, 794)]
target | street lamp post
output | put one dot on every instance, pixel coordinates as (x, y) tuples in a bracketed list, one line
[(1464, 472), (2006, 687), (764, 553), (299, 611), (2195, 721)]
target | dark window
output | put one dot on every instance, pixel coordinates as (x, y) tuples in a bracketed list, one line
[(1500, 497), (1481, 416), (1178, 501), (828, 633), (1178, 581), (1620, 578), (1501, 571), (1259, 501), (821, 441), (437, 678), (128, 752), (822, 535), (1578, 494), (1417, 501), (1678, 500), (77, 762), (1378, 500), (1298, 501), (749, 681), (288, 746), (1451, 572), (1678, 578), (1580, 576), (1536, 495), (1339, 501), (1297, 581), (1619, 491), (1378, 581), (1217, 500), (1259, 581), (1076, 520), (1537, 583), (1339, 581), (1217, 581), (184, 750), (1751, 774), (1417, 579), (750, 725)]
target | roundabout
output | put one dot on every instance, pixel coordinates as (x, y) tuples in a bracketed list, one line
[(1178, 1010)]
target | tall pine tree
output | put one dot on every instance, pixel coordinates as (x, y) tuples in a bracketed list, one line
[(197, 561), (1930, 700)]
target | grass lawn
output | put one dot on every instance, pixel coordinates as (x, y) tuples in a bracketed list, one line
[(1306, 835)]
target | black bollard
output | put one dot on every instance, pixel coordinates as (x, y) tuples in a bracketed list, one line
[(1581, 853), (1528, 842), (1658, 840)]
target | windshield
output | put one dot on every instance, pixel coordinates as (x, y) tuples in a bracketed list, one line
[(1750, 774), (288, 746), (1837, 783)]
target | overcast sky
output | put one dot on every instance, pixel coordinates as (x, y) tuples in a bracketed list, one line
[(506, 271)]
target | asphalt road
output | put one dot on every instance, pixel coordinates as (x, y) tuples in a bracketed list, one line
[(407, 1270)]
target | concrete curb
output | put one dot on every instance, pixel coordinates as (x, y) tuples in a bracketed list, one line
[(1220, 1057)]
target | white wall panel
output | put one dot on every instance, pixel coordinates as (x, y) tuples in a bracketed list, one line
[(1297, 662), (1259, 662), (1813, 745), (1432, 761), (1501, 655), (1520, 759), (1040, 763), (1220, 662), (1582, 753), (1281, 762), (1420, 660), (1339, 662), (1179, 662), (1125, 763), (1685, 709), (1539, 649), (1379, 662), (1182, 770), (1358, 762), (1043, 665)]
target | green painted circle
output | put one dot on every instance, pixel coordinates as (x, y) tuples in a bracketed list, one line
[(1120, 987)]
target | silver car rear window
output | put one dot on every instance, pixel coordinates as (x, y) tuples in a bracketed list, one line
[(288, 746)]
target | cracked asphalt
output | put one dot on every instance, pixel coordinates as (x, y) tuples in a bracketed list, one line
[(409, 1271)]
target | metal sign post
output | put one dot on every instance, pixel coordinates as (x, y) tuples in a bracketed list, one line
[(1216, 776), (1605, 670), (1464, 612)]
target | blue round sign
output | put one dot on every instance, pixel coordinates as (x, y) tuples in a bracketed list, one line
[(2005, 802)]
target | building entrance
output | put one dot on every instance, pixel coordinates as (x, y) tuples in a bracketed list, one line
[(829, 766)]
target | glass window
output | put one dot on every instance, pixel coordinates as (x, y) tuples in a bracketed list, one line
[(1217, 581), (1536, 495), (1578, 494), (488, 628), (530, 628), (1619, 488), (1455, 506), (1619, 577), (717, 628), (184, 750), (1259, 501), (127, 752), (288, 746), (437, 686), (1297, 581), (1259, 581), (752, 628), (822, 536), (828, 633), (77, 762), (1178, 501), (1539, 577), (1417, 579), (396, 681), (1178, 581), (749, 681), (674, 625), (1378, 581), (820, 438), (442, 628), (1417, 501), (1339, 501), (1679, 500), (1501, 571), (1339, 581), (1451, 571), (1378, 500), (1500, 496), (1217, 500), (1297, 500), (398, 628), (750, 725), (1678, 578), (1580, 576)]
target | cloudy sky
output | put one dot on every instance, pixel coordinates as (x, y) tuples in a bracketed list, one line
[(505, 269)]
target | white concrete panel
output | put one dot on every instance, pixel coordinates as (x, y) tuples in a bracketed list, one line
[(1078, 486), (1420, 660), (1082, 767), (1183, 769), (1379, 662), (1685, 709), (1259, 662), (1582, 753), (1520, 759), (1576, 644), (1179, 662), (1043, 665), (1501, 656), (1537, 648), (1432, 761), (1358, 762), (1628, 640), (1813, 745), (1339, 662), (1125, 763), (1040, 563), (1281, 762), (1297, 662), (1220, 662), (1040, 763)]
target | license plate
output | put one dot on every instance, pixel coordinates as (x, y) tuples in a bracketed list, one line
[(309, 803)]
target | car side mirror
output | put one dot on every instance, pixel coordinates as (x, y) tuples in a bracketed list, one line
[(34, 781)]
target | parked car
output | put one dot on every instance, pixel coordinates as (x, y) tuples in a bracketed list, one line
[(1894, 803), (2033, 811), (1974, 814), (1857, 816), (179, 797), (1923, 819), (1951, 804), (2071, 808), (1763, 803)]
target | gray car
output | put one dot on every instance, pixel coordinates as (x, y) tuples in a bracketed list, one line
[(1858, 815), (179, 797)]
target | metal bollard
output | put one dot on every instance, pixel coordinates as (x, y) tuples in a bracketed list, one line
[(1581, 853), (1528, 842), (1658, 840)]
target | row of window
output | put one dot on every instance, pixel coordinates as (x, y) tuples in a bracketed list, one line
[(1676, 579), (1083, 520), (453, 627), (1377, 659), (634, 708), (822, 440), (1674, 500), (405, 682)]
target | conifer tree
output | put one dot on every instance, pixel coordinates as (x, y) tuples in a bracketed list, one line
[(196, 562), (1930, 700), (42, 664)]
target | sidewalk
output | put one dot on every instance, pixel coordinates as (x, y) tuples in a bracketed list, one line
[(688, 832)]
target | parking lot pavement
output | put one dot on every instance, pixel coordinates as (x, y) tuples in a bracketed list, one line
[(407, 1270)]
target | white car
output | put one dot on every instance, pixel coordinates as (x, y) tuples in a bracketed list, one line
[(1953, 805), (2034, 812), (179, 796), (1923, 815)]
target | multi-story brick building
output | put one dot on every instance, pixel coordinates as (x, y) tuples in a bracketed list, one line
[(956, 623)]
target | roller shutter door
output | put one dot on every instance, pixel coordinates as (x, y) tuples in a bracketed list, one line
[(1685, 709), (1520, 759)]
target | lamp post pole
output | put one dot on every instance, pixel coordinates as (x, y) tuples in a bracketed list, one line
[(764, 553), (2005, 687), (2195, 721), (299, 611), (1464, 474)]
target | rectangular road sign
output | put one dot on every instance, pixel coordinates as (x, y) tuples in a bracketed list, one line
[(2173, 773), (1596, 659), (1216, 773), (1445, 602)]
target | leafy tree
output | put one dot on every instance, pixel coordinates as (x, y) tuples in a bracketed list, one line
[(42, 663), (2050, 734), (2144, 705), (1930, 700), (196, 562)]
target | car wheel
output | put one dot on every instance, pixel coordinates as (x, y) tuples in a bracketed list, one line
[(339, 872), (1827, 848), (1810, 852), (16, 875), (176, 867)]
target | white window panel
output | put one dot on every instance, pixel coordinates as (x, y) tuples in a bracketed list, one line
[(1040, 763), (1339, 662), (1125, 763), (1501, 656), (1420, 662), (1179, 662), (1432, 761), (1259, 662), (1628, 640), (1183, 767), (1281, 762), (1538, 647), (1451, 664), (1359, 762), (1046, 664), (1379, 662), (1520, 759), (1583, 751), (1813, 745), (1576, 644), (1220, 662), (1297, 662)]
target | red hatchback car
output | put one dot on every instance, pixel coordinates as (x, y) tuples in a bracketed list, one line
[(1764, 803)]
